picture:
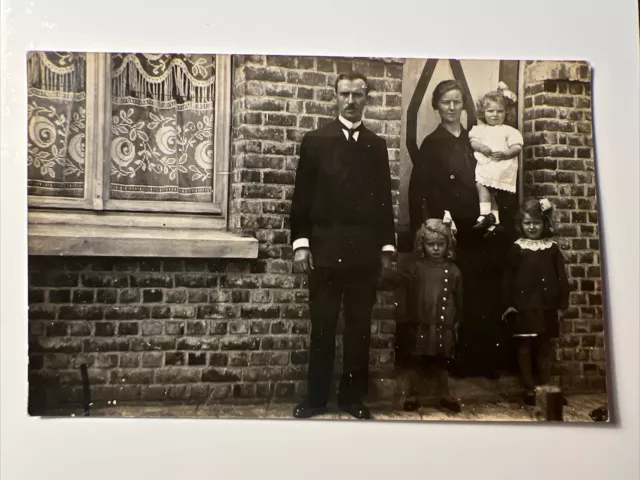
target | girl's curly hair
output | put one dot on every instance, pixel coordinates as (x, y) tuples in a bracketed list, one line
[(496, 97), (533, 208), (434, 227)]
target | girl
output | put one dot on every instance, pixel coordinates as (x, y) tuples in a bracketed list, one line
[(496, 147), (535, 286), (434, 310)]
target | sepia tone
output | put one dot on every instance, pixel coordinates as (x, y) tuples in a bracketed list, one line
[(169, 309)]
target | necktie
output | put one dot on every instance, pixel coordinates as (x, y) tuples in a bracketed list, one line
[(351, 132)]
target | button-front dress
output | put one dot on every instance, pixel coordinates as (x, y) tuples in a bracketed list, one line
[(434, 307)]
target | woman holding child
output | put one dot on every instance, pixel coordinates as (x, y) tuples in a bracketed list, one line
[(444, 180)]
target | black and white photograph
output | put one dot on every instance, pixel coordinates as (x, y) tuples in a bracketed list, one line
[(313, 237)]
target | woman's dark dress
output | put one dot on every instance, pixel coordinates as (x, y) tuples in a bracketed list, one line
[(535, 284), (443, 178)]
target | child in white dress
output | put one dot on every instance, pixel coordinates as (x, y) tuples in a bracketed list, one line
[(496, 148)]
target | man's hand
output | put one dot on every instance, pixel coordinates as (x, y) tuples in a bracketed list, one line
[(508, 312), (302, 260)]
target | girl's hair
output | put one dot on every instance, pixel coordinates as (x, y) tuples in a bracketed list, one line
[(533, 208), (445, 87), (497, 97), (434, 227)]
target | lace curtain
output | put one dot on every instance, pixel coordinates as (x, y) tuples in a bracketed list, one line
[(162, 127), (56, 124)]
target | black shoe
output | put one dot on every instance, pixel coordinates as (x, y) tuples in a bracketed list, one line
[(485, 222), (530, 398), (357, 410), (450, 404), (493, 232), (411, 405), (305, 410)]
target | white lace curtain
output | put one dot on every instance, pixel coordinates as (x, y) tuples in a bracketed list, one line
[(162, 121)]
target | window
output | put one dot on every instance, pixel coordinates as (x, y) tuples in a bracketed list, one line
[(127, 139)]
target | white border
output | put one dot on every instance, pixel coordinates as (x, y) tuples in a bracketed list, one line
[(158, 449)]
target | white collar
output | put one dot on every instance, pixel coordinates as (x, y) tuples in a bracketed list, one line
[(348, 124), (528, 244)]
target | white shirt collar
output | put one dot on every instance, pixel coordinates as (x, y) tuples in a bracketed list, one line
[(349, 124)]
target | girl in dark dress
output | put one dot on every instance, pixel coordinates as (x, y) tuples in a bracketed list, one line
[(434, 310), (535, 287)]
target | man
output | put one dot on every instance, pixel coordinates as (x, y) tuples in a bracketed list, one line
[(342, 230)]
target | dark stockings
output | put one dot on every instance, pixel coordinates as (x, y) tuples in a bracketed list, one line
[(541, 347)]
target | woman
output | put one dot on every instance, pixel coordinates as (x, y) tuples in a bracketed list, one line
[(443, 178)]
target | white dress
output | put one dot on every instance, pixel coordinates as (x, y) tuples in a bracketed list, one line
[(500, 174)]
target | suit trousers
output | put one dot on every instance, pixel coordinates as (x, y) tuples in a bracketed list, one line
[(328, 288)]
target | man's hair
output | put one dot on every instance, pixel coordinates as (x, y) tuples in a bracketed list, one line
[(352, 76)]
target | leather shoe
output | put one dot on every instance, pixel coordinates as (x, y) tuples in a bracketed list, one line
[(485, 222), (357, 410), (411, 405), (305, 410), (450, 404)]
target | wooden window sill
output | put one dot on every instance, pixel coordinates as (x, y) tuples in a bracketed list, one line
[(140, 236)]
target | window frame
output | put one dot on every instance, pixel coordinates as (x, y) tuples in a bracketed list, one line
[(94, 226), (98, 105)]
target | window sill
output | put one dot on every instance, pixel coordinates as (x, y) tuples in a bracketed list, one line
[(50, 235)]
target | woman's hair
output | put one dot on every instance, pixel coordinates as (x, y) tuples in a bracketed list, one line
[(435, 227), (445, 87), (533, 208), (496, 97)]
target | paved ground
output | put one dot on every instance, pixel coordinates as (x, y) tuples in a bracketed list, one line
[(502, 410)]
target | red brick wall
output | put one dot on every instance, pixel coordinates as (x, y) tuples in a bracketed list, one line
[(559, 165), (188, 329)]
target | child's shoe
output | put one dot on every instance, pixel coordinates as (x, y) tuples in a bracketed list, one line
[(493, 231), (530, 398), (485, 221), (450, 404), (411, 405)]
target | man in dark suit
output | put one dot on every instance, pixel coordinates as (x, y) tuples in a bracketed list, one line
[(342, 230)]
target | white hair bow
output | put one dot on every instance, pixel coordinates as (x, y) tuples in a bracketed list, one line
[(545, 205), (508, 94), (448, 220)]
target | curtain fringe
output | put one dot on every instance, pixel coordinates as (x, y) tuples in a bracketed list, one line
[(132, 83), (43, 77)]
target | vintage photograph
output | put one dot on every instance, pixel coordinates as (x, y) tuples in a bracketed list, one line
[(297, 237)]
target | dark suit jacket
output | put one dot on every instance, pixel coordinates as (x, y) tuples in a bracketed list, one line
[(342, 197)]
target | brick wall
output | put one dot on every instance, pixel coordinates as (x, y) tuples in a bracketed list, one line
[(559, 165), (190, 330)]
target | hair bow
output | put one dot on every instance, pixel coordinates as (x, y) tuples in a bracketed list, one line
[(545, 205), (448, 220), (508, 94)]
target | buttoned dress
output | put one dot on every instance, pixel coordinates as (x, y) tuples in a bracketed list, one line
[(434, 307), (535, 284)]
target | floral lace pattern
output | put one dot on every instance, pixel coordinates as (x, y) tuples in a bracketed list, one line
[(56, 115), (162, 127)]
